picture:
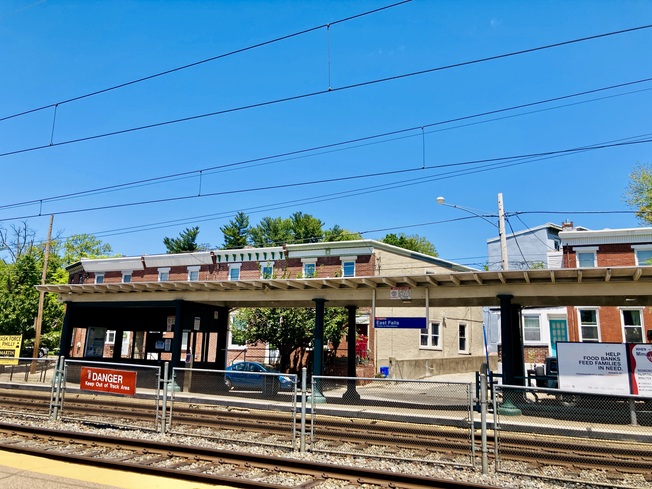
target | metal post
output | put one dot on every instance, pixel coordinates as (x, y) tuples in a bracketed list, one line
[(166, 383), (483, 416), (304, 382), (501, 231)]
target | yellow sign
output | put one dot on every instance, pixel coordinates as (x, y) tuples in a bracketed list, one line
[(10, 349)]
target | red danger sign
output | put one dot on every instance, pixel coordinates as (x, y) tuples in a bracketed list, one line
[(108, 380)]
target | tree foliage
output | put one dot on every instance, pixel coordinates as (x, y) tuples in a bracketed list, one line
[(80, 246), (639, 192), (412, 242), (185, 243), (336, 233), (271, 231), (290, 330), (236, 232)]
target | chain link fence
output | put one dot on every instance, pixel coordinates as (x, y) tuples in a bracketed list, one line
[(134, 391), (259, 407), (33, 377), (407, 420), (568, 434)]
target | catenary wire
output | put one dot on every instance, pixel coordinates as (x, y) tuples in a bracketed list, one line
[(322, 92), (201, 62), (303, 152)]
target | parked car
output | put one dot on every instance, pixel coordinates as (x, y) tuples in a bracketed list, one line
[(248, 375), (27, 351)]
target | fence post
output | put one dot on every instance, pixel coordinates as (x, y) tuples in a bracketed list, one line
[(302, 442), (166, 383), (55, 397), (483, 416)]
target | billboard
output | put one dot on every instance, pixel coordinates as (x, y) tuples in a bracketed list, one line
[(605, 368)]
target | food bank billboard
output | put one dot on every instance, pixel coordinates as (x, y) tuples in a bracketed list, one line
[(605, 368), (108, 380)]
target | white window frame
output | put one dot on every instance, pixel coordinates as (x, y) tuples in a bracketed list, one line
[(266, 265), (465, 327), (164, 274), (429, 333), (580, 325), (125, 274), (593, 250), (625, 326), (309, 262), (99, 278), (538, 318), (110, 337), (638, 248), (193, 273), (235, 266), (231, 345), (349, 259)]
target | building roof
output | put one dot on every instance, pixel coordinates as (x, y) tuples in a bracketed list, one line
[(606, 236)]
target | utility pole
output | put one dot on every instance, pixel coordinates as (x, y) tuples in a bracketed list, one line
[(501, 232), (41, 297)]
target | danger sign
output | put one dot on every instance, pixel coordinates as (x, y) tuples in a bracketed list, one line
[(108, 380)]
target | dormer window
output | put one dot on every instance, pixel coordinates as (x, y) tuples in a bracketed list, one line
[(193, 273), (164, 274)]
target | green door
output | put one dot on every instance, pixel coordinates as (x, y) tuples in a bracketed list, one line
[(558, 332)]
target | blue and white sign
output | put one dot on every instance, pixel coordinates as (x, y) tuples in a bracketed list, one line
[(389, 323)]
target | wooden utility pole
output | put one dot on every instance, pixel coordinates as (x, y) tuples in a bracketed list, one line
[(41, 298)]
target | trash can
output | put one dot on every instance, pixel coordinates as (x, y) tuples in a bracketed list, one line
[(384, 371)]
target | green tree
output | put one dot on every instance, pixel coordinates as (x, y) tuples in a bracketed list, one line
[(236, 232), (306, 228), (271, 231), (412, 242), (290, 330), (79, 246), (185, 243), (639, 192), (337, 233)]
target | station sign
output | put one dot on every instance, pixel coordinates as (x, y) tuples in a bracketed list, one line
[(401, 323), (108, 380), (10, 349)]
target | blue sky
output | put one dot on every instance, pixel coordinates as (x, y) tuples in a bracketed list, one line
[(54, 51)]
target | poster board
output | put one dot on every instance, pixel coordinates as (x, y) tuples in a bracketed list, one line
[(10, 349)]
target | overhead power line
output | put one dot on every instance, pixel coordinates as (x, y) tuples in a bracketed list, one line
[(201, 62), (305, 151), (507, 160), (322, 92)]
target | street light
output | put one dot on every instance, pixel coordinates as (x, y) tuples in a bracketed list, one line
[(500, 225)]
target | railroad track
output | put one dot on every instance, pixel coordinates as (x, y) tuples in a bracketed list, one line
[(205, 465)]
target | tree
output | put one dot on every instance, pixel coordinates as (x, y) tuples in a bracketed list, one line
[(337, 233), (271, 231), (639, 192), (17, 240), (79, 246), (290, 330), (306, 228), (412, 242), (185, 243), (236, 232)]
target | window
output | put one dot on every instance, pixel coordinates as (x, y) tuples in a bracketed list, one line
[(234, 271), (99, 278), (163, 274), (430, 336), (632, 325), (126, 277), (110, 337), (267, 270), (643, 257), (531, 328), (237, 332), (585, 259), (589, 325), (310, 268), (193, 273), (462, 331), (348, 269)]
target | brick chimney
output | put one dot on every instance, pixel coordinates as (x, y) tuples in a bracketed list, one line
[(567, 226)]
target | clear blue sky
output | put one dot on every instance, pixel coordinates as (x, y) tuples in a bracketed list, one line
[(53, 51)]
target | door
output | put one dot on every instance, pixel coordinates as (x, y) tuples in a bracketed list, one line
[(558, 332)]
